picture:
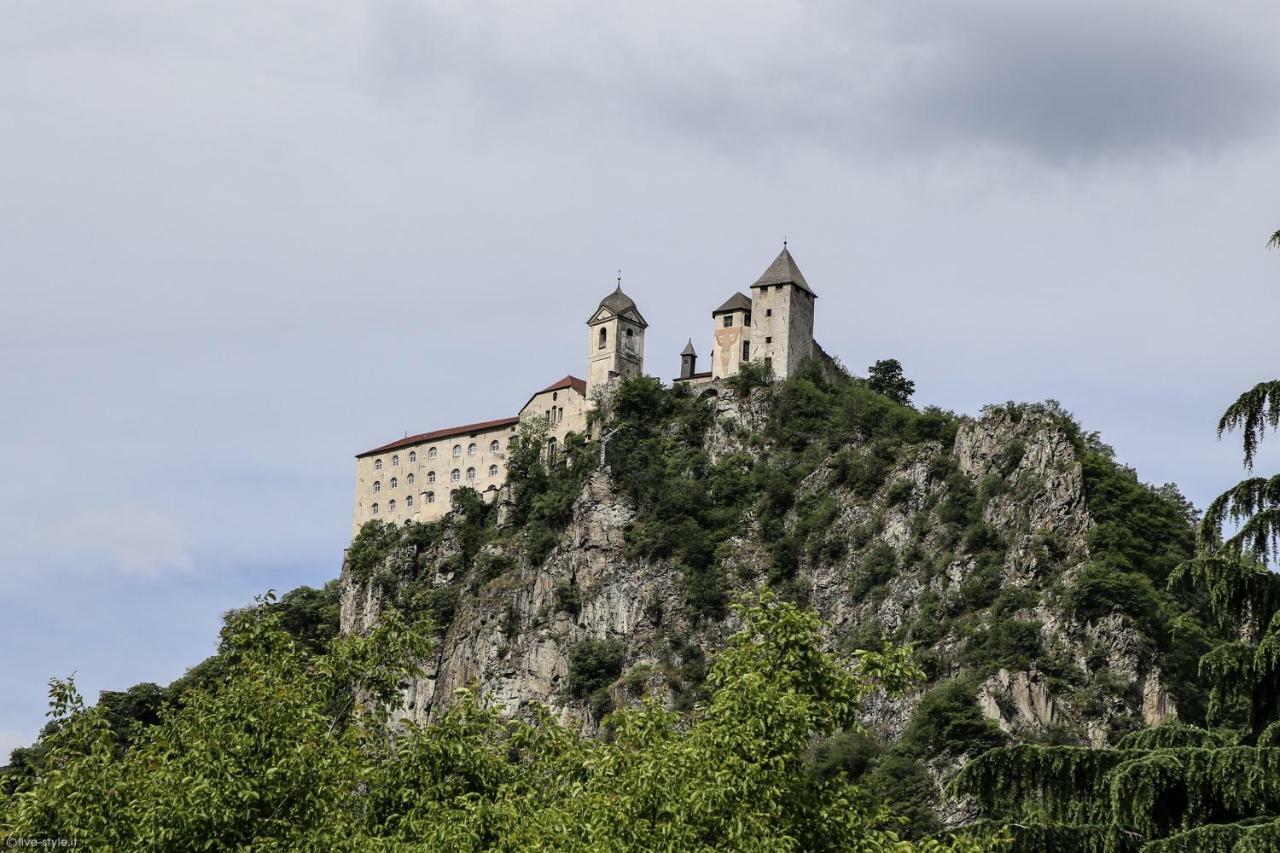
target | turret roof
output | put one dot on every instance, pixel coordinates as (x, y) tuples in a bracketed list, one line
[(688, 348), (783, 270), (618, 303), (737, 302)]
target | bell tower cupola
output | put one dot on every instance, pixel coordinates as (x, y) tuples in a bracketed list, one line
[(615, 340)]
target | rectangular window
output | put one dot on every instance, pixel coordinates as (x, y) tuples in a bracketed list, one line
[(768, 340), (746, 319), (768, 312), (746, 350), (728, 320)]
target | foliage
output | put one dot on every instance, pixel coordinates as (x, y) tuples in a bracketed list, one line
[(269, 762), (885, 377), (593, 666), (751, 375), (542, 492), (947, 719)]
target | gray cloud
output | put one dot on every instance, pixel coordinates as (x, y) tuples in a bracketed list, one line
[(1058, 83)]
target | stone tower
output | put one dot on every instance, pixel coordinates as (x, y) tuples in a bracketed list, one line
[(782, 316), (615, 340), (732, 341)]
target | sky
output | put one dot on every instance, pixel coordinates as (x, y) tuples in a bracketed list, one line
[(242, 241)]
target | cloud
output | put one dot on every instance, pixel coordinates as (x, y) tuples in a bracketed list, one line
[(1054, 83), (1085, 80), (137, 543)]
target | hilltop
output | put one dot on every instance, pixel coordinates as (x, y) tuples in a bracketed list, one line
[(1025, 565)]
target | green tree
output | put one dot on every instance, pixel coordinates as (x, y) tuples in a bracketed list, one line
[(885, 377), (279, 759)]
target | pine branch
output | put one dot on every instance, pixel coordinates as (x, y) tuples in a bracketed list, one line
[(1256, 409)]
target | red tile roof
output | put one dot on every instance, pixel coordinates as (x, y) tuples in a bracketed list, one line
[(579, 385), (442, 433)]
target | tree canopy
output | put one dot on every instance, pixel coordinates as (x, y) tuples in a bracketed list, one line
[(294, 748)]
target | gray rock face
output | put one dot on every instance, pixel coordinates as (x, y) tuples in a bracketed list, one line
[(511, 637)]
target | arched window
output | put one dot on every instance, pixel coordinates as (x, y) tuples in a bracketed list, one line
[(377, 464), (377, 486), (555, 395), (551, 452), (395, 460), (457, 450), (373, 510), (471, 449), (431, 454), (431, 476), (391, 506), (413, 456), (394, 482), (431, 497), (493, 470), (629, 342), (560, 414), (408, 480), (471, 473), (604, 337), (408, 501), (494, 446), (455, 475)]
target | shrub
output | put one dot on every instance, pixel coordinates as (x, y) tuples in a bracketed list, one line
[(877, 567), (899, 492), (960, 506), (862, 471), (593, 666), (750, 375), (568, 598), (948, 720)]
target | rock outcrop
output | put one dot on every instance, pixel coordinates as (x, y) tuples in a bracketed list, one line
[(894, 567)]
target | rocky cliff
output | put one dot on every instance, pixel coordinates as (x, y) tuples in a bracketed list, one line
[(971, 544)]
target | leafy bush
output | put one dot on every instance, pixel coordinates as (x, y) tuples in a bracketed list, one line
[(948, 720), (593, 666), (960, 506), (568, 597)]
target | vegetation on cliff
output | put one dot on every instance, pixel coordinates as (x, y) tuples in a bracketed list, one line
[(1176, 787)]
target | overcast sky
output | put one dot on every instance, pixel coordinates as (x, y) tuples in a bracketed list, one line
[(242, 241)]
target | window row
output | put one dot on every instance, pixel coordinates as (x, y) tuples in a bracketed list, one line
[(454, 475), (472, 448), (427, 497)]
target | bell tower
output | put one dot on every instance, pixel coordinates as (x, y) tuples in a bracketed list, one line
[(615, 340)]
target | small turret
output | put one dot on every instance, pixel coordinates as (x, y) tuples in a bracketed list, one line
[(688, 361)]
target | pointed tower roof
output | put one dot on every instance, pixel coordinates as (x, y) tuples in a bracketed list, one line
[(783, 270), (688, 348), (737, 302), (619, 303)]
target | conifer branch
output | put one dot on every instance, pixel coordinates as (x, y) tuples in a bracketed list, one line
[(1256, 409)]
